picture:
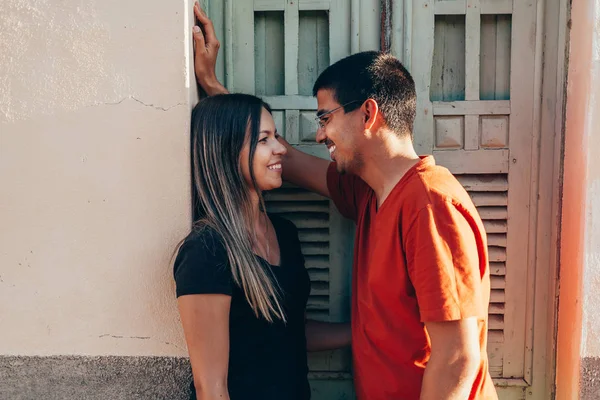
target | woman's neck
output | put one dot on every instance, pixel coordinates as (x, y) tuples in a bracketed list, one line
[(258, 222)]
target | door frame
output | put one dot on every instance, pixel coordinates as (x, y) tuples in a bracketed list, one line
[(551, 90), (551, 61)]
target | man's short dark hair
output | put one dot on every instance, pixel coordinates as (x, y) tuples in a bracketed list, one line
[(378, 76)]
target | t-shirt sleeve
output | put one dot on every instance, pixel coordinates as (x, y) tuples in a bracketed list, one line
[(202, 267), (347, 191), (443, 263)]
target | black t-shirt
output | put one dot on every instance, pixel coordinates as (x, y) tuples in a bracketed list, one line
[(266, 360)]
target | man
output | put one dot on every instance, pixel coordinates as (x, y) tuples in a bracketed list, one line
[(420, 273)]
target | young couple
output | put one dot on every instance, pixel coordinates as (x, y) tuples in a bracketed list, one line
[(421, 286)]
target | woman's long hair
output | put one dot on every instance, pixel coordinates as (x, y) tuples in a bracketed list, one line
[(221, 125)]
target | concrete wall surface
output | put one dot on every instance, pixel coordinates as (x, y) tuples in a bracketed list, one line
[(578, 357), (94, 378), (94, 191)]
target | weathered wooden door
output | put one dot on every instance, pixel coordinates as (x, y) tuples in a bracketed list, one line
[(473, 64)]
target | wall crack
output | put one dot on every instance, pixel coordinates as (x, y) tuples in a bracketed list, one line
[(138, 101), (137, 337), (124, 337)]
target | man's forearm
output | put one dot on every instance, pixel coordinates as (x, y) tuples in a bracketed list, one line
[(322, 336), (213, 87), (304, 170), (449, 379)]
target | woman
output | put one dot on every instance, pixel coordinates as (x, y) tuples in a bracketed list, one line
[(241, 283)]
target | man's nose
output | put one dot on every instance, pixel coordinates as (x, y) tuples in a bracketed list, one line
[(321, 136)]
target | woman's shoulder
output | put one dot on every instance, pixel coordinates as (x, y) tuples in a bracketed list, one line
[(202, 244), (204, 236), (202, 265)]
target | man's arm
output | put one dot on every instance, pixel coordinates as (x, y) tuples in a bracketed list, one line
[(454, 361), (305, 170), (206, 49), (322, 336), (444, 265)]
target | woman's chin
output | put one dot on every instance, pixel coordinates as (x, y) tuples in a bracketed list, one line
[(271, 185)]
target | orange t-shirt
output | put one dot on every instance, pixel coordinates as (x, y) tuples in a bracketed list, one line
[(422, 257)]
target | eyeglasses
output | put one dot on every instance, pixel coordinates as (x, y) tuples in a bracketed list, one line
[(321, 123)]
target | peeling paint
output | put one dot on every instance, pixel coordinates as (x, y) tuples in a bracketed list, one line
[(387, 8)]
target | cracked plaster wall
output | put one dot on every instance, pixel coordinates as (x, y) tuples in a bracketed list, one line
[(94, 175)]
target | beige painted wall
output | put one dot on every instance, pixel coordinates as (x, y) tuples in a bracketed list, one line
[(94, 116), (578, 345), (591, 276)]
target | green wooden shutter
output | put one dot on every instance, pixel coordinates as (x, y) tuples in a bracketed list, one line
[(490, 195), (326, 240), (473, 64)]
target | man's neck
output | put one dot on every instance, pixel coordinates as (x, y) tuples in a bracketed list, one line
[(385, 164)]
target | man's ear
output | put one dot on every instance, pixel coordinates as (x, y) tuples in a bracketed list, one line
[(371, 110)]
